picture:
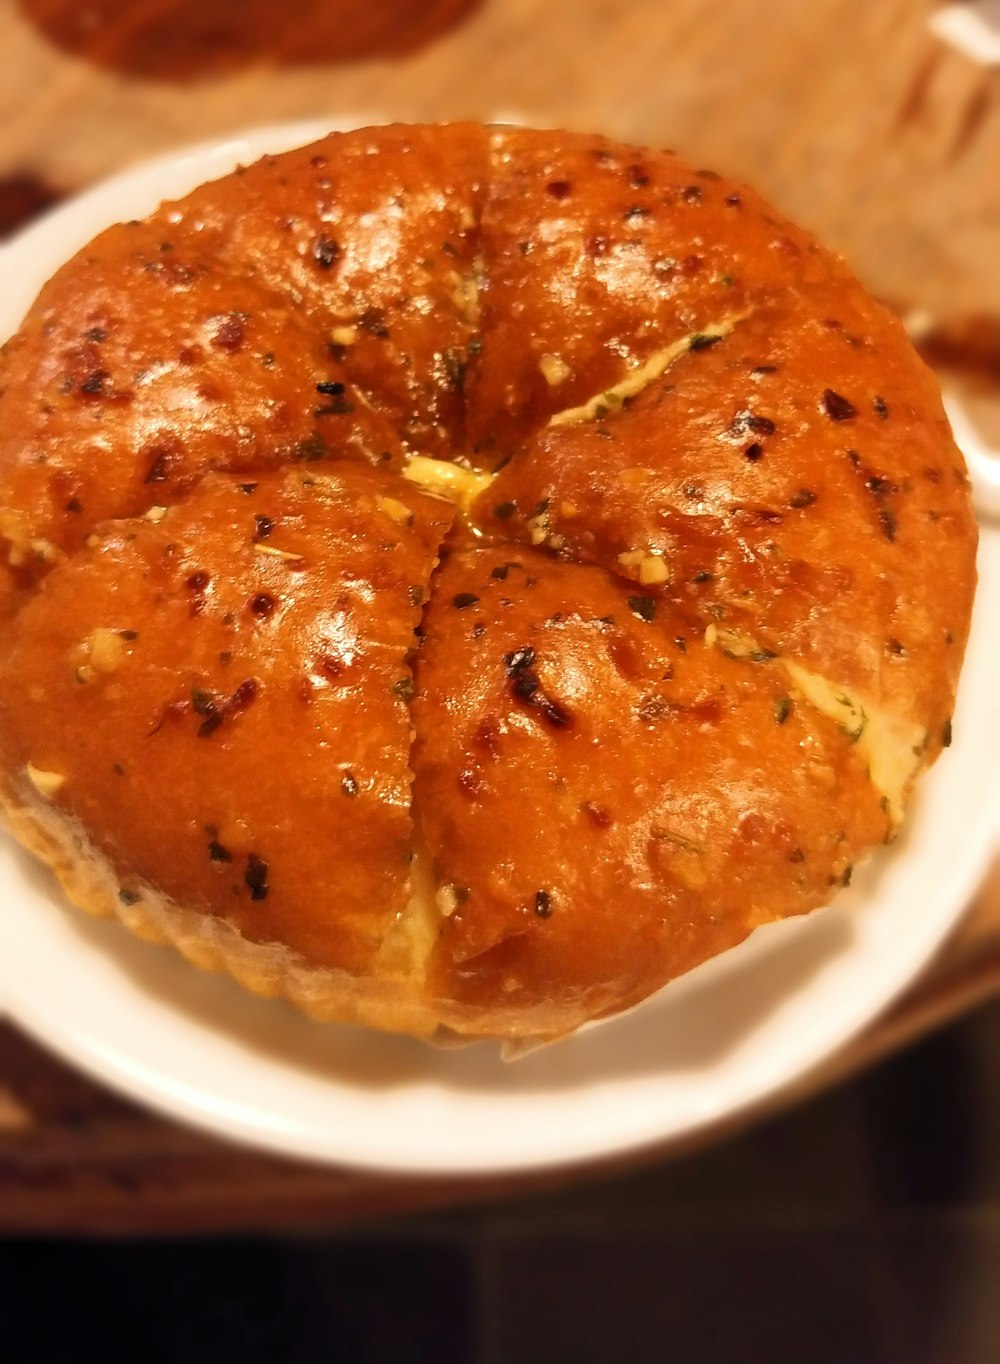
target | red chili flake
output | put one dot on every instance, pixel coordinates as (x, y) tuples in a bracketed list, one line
[(262, 605), (643, 607), (888, 523), (750, 421), (197, 582), (634, 212), (218, 853), (216, 710), (733, 200), (203, 702), (332, 389), (461, 600), (97, 334), (263, 527), (325, 251), (559, 189), (691, 194), (348, 783), (637, 177), (74, 505), (881, 407), (946, 734), (598, 815), (880, 485), (597, 245), (230, 333), (500, 572), (256, 877), (527, 687), (653, 708), (543, 904), (245, 694), (702, 341), (95, 383), (805, 497), (754, 452), (837, 407), (505, 510), (163, 457), (313, 448), (764, 369)]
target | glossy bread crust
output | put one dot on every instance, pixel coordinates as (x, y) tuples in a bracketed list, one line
[(460, 579)]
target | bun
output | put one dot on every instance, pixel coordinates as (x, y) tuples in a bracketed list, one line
[(460, 579)]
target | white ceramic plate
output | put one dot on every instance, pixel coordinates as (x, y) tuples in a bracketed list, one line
[(723, 1040)]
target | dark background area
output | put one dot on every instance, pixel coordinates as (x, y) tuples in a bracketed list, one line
[(862, 1228)]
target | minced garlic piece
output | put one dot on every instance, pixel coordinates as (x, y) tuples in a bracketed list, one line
[(344, 336), (465, 296), (155, 514), (275, 553), (44, 550), (554, 369), (653, 570), (394, 509), (45, 783), (105, 650), (446, 901)]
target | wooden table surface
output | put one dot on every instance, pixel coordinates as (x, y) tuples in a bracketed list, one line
[(848, 114)]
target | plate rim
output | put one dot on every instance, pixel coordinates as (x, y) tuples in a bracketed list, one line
[(112, 1069)]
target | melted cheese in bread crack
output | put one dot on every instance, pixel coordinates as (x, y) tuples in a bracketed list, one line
[(613, 399), (892, 746), (445, 479)]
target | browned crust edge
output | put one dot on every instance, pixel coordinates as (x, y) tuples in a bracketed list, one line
[(269, 970)]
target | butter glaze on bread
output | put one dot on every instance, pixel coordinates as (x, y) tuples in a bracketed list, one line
[(460, 579)]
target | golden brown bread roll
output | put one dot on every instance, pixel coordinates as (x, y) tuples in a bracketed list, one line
[(460, 579)]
